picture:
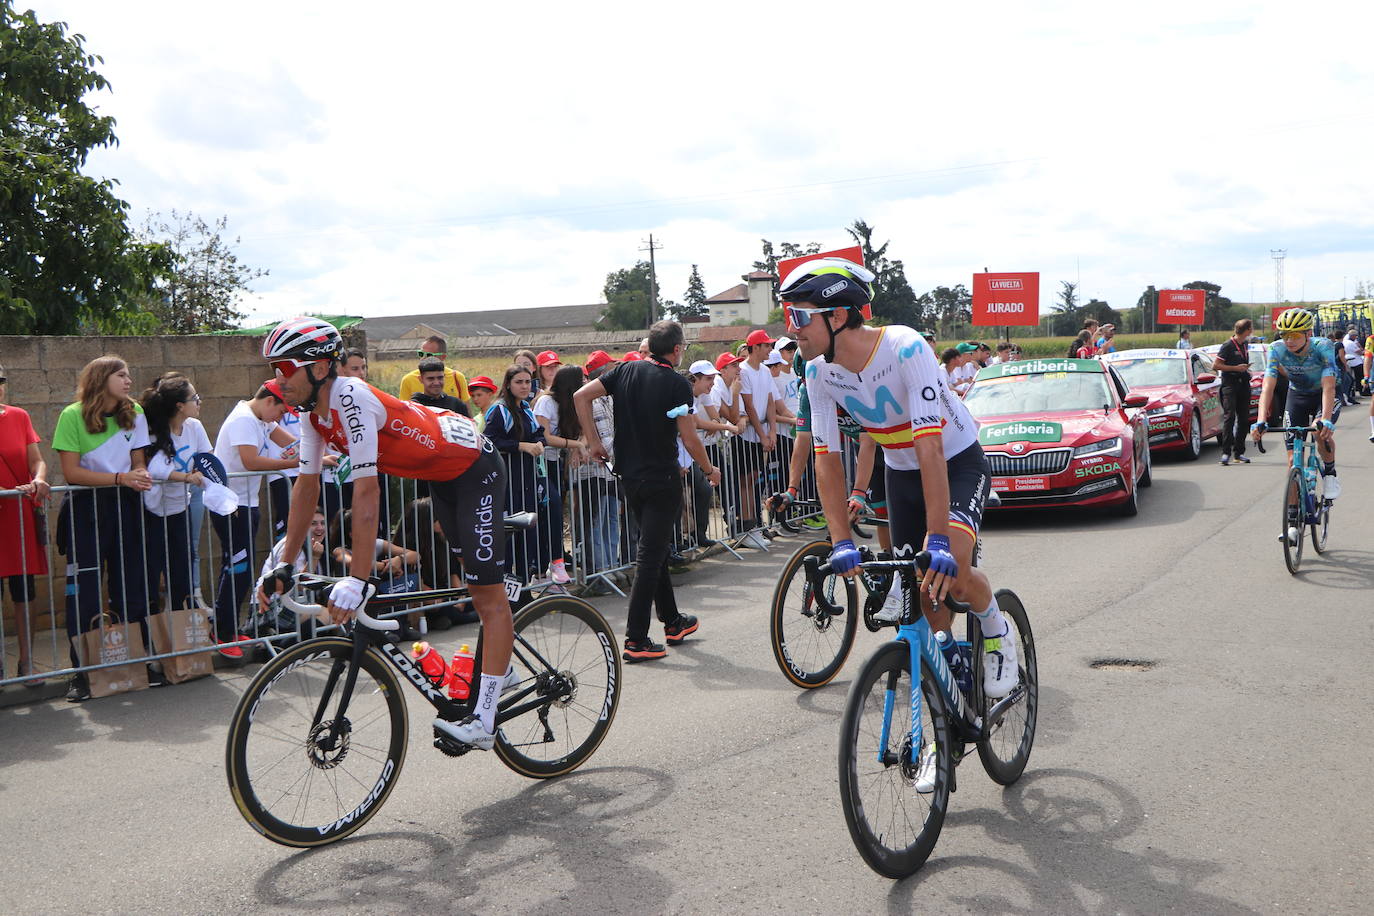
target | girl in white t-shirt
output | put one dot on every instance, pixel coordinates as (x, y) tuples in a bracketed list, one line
[(547, 409), (172, 408)]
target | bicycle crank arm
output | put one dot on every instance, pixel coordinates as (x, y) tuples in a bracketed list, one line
[(999, 710)]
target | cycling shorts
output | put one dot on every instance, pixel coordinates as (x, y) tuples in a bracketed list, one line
[(1303, 408), (471, 510), (969, 483)]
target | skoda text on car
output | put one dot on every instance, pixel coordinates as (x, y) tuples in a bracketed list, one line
[(1259, 361), (1061, 432), (1185, 396)]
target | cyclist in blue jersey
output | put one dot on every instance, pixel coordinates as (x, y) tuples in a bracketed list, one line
[(1309, 364), (888, 380)]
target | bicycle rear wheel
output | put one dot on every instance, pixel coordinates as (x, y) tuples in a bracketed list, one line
[(1005, 748), (566, 651), (1318, 530), (894, 827), (809, 645), (1292, 518), (291, 781)]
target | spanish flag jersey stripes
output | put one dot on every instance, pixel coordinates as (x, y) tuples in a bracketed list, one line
[(402, 438), (900, 395)]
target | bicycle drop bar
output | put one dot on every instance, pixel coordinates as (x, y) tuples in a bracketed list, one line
[(816, 573), (360, 615), (1259, 444)]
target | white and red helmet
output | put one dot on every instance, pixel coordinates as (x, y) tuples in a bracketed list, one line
[(303, 339)]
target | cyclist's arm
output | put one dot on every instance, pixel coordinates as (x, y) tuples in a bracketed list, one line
[(863, 467), (365, 501), (1328, 396)]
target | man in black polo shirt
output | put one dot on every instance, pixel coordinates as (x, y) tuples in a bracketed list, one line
[(652, 406), (1233, 362)]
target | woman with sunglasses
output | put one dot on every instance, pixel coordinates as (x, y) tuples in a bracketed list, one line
[(379, 432), (173, 411)]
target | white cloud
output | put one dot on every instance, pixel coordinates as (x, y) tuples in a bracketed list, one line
[(385, 159)]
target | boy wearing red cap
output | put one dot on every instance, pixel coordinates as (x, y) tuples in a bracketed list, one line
[(759, 437)]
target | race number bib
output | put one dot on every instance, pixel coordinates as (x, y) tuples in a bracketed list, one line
[(458, 430), (513, 588)]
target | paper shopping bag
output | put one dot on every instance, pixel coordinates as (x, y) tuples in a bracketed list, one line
[(113, 642), (178, 631)]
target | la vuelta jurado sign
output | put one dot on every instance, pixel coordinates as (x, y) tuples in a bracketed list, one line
[(1011, 299), (1182, 306)]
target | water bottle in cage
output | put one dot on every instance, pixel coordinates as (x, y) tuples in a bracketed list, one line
[(431, 662)]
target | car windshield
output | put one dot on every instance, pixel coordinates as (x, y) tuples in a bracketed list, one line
[(1259, 360), (1016, 394), (1153, 370)]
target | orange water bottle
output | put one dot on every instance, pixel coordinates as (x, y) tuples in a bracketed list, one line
[(431, 662), (460, 673)]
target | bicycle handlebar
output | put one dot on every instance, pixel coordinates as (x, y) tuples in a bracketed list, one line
[(817, 571), (361, 616), (1304, 430)]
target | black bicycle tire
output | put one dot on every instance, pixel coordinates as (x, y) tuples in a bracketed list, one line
[(608, 702), (1321, 528), (240, 726), (1007, 771), (800, 676), (1292, 553), (888, 862)]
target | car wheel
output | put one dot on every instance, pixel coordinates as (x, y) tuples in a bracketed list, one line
[(1147, 477), (1194, 448), (1132, 504)]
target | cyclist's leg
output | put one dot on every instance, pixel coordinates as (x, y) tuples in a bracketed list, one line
[(469, 510), (969, 484)]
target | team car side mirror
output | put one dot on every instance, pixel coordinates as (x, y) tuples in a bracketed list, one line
[(1136, 400), (1206, 379)]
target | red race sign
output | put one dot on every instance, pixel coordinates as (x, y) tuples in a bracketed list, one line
[(1182, 306), (1010, 299), (1275, 312), (855, 254)]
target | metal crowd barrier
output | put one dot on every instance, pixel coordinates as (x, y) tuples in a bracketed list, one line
[(582, 521)]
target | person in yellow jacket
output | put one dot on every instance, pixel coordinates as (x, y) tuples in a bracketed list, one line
[(455, 383)]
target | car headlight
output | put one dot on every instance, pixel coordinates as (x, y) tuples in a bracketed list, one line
[(1172, 410), (1110, 446)]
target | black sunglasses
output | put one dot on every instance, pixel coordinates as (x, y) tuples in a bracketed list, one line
[(3, 379)]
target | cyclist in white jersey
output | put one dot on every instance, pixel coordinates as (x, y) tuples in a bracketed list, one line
[(888, 380)]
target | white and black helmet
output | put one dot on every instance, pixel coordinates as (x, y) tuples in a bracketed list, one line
[(303, 339)]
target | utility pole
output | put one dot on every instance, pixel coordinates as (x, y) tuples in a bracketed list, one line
[(653, 279), (1278, 254)]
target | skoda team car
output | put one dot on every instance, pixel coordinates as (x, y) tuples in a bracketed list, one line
[(1184, 392), (1061, 432), (1259, 361)]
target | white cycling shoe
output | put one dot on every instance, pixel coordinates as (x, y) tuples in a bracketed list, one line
[(1000, 674), (925, 773), (891, 611), (469, 731), (1331, 486)]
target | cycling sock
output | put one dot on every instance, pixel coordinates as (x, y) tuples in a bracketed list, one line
[(486, 700), (991, 621), (1329, 469), (1371, 422)]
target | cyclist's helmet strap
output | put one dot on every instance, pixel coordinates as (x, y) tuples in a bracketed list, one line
[(306, 338), (829, 283), (1294, 320)]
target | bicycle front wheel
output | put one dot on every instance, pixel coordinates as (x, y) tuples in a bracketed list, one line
[(893, 825), (1005, 747), (1293, 527), (809, 645), (567, 653), (300, 774)]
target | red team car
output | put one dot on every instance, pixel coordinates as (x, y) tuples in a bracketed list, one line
[(1184, 392), (1259, 361), (1061, 432)]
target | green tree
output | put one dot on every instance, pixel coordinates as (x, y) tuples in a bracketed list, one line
[(1104, 313), (950, 308), (201, 289), (627, 298), (68, 261), (1065, 307), (694, 300), (893, 297), (770, 260), (1148, 303)]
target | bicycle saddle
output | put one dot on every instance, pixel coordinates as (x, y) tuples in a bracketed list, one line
[(520, 521)]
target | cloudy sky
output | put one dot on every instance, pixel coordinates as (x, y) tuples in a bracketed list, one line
[(411, 157)]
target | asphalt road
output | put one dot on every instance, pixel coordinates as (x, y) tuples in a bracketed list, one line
[(1231, 777)]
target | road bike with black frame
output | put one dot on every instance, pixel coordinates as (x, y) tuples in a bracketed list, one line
[(809, 643), (318, 739), (1305, 505), (890, 728)]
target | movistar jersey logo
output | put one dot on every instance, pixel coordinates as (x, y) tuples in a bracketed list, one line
[(1022, 431), (877, 414)]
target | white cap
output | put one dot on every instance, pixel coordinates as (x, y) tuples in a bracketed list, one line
[(702, 367), (783, 342), (774, 358)]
